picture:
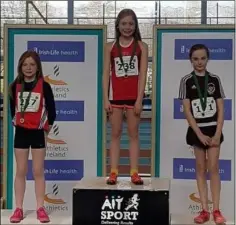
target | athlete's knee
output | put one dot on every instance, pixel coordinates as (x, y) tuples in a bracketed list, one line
[(201, 168), (38, 172), (213, 168), (21, 171), (133, 133), (116, 133)]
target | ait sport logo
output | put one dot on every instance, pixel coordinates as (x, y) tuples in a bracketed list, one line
[(56, 73), (52, 197), (118, 210), (54, 137)]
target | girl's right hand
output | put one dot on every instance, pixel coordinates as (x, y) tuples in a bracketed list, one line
[(107, 106), (204, 139)]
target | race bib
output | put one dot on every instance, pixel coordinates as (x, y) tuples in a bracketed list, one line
[(131, 68), (210, 111), (33, 102)]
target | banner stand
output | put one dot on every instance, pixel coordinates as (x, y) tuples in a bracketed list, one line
[(173, 158), (72, 61)]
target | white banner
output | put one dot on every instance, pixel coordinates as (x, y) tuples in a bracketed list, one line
[(72, 65), (176, 158)]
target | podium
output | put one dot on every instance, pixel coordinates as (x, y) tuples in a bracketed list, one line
[(96, 203)]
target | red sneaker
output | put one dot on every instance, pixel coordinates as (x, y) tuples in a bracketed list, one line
[(42, 215), (218, 218), (203, 217), (17, 216), (112, 180), (136, 179)]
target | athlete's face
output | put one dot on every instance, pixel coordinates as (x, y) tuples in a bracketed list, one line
[(199, 60), (29, 67), (127, 26)]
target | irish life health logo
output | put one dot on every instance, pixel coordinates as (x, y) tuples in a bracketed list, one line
[(56, 145), (59, 51), (220, 49)]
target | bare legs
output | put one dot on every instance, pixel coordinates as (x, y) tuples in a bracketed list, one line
[(38, 156), (212, 164), (116, 118), (21, 156), (133, 125), (213, 168)]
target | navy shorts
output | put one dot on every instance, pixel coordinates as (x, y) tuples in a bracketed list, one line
[(26, 138), (123, 103), (192, 139)]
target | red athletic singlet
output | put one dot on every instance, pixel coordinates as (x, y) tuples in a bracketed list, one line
[(35, 115), (121, 87)]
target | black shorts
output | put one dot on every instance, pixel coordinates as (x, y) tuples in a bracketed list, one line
[(26, 138), (123, 103), (192, 139)]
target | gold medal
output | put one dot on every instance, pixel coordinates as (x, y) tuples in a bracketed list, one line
[(22, 120)]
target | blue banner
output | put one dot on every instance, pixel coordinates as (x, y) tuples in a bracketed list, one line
[(220, 49), (70, 110), (60, 170), (59, 51), (184, 168)]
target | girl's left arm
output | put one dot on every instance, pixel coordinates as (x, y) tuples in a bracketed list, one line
[(49, 103), (143, 70), (220, 95), (220, 118)]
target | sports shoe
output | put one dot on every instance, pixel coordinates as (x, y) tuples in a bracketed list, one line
[(136, 179), (218, 218), (112, 180), (203, 217), (17, 216), (42, 215)]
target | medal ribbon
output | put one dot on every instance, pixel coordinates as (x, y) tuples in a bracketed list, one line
[(22, 105), (203, 99), (131, 58)]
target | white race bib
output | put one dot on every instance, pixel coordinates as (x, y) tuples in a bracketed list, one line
[(210, 111), (132, 68), (33, 102)]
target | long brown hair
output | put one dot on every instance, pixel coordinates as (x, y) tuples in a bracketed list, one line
[(123, 13), (20, 76)]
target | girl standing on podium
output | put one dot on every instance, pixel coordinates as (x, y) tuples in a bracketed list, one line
[(33, 112), (202, 94), (124, 80)]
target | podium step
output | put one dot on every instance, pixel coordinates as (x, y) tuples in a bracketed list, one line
[(95, 202)]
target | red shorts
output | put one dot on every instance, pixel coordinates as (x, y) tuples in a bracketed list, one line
[(124, 104)]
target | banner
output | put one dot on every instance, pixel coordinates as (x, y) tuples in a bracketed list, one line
[(72, 61), (174, 158)]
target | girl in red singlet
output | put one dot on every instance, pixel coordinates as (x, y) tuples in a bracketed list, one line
[(125, 71), (33, 112)]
